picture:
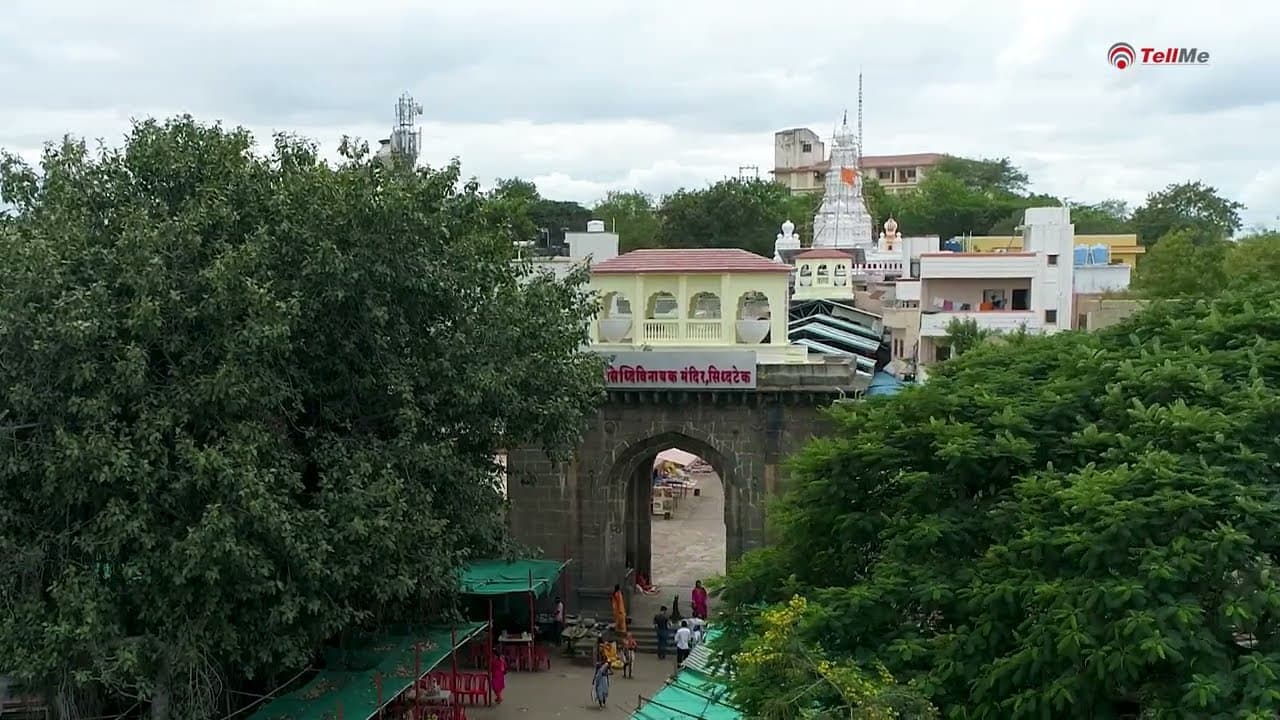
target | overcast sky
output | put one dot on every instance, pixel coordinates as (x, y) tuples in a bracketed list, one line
[(586, 96)]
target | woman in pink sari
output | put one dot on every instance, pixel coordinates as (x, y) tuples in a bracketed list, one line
[(699, 600), (498, 676)]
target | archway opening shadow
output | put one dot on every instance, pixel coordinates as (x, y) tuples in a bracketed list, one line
[(696, 542)]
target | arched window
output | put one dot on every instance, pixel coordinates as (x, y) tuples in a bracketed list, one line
[(662, 306), (615, 321), (806, 275), (753, 317), (704, 306), (823, 276), (840, 278)]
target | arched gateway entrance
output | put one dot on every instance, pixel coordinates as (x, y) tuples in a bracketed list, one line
[(630, 485), (594, 508)]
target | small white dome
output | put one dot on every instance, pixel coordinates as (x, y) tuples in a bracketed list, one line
[(788, 227), (891, 226)]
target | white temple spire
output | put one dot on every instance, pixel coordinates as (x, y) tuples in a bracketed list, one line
[(842, 221)]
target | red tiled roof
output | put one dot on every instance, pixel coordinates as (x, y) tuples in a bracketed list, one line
[(913, 159), (872, 162), (824, 254), (692, 260)]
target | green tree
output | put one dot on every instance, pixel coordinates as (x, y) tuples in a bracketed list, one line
[(995, 176), (633, 216), (731, 214), (250, 401), (946, 206), (1253, 259), (1109, 217), (964, 335), (534, 217), (1066, 526), (1183, 263), (1186, 206)]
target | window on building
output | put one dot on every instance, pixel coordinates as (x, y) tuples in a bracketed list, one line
[(806, 275), (992, 300), (1050, 317), (1082, 321), (1053, 259), (915, 268), (806, 147), (841, 275), (823, 275), (885, 175), (942, 352), (911, 173)]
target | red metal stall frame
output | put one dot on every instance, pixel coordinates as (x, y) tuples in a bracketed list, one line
[(417, 674), (453, 655), (488, 660)]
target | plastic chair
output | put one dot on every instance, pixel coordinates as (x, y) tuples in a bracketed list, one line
[(541, 658)]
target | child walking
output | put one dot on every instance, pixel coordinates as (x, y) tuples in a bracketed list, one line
[(628, 655)]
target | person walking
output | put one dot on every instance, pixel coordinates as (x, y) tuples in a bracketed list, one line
[(684, 643), (600, 682), (662, 628), (628, 655), (498, 676), (619, 611), (698, 599), (557, 620)]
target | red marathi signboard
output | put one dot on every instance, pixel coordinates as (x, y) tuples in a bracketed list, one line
[(662, 370)]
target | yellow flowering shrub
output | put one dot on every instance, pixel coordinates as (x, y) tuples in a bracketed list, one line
[(778, 677)]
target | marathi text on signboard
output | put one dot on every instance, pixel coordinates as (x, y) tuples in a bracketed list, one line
[(725, 370)]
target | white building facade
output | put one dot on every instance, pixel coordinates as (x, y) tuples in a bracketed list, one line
[(1034, 289)]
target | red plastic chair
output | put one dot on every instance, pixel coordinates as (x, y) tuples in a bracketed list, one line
[(474, 687), (541, 658)]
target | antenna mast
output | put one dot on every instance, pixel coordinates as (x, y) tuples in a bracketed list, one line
[(859, 119), (406, 138)]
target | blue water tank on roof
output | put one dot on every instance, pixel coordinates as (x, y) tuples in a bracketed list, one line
[(953, 245), (1100, 255), (1081, 255)]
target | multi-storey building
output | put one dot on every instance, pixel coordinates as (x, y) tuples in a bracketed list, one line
[(800, 162)]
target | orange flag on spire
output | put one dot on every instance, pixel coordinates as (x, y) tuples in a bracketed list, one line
[(849, 176)]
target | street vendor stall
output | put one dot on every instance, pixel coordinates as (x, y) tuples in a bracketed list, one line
[(363, 680), (495, 578)]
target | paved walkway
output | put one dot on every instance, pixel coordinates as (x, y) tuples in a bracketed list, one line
[(688, 547), (565, 691)]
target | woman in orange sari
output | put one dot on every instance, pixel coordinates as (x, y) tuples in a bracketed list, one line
[(619, 611)]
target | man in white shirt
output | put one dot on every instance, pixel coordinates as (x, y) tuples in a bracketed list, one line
[(684, 642)]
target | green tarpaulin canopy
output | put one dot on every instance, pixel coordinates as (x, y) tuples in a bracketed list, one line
[(502, 577), (697, 691), (351, 682)]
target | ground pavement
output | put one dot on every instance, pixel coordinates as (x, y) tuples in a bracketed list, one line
[(565, 691), (688, 547)]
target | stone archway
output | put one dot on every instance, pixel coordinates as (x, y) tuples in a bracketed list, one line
[(628, 482)]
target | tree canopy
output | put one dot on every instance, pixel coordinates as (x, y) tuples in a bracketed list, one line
[(1066, 526), (251, 400), (1192, 206)]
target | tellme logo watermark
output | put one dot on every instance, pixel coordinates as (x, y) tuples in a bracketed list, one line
[(1122, 55)]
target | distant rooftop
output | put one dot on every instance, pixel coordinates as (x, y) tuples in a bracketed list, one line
[(681, 261), (825, 254)]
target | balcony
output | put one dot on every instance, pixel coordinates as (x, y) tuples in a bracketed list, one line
[(621, 330), (934, 324)]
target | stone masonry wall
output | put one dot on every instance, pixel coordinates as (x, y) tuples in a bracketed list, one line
[(580, 509)]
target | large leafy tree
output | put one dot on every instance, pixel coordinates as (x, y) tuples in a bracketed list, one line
[(533, 217), (1185, 263), (994, 176), (1191, 206), (633, 216), (251, 400), (1071, 526), (731, 213)]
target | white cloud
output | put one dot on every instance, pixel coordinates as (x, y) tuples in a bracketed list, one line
[(586, 96)]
